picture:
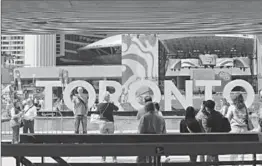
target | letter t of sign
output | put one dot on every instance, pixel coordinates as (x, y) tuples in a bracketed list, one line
[(208, 84)]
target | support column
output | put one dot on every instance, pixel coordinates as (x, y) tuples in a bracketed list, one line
[(259, 61)]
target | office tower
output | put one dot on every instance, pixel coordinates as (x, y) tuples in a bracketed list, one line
[(13, 45), (60, 45)]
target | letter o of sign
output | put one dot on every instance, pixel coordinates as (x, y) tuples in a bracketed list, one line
[(71, 86), (136, 85), (249, 90)]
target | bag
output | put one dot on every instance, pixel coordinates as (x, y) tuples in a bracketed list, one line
[(22, 123), (95, 118), (98, 118), (226, 127)]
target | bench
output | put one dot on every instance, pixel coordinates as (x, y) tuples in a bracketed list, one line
[(63, 145)]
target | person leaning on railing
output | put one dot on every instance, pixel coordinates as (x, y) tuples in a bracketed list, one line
[(159, 112), (190, 125), (151, 123), (239, 119), (202, 117)]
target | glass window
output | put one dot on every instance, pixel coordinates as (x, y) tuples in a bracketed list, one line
[(19, 62)]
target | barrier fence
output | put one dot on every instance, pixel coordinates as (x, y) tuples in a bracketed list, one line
[(58, 146), (57, 125)]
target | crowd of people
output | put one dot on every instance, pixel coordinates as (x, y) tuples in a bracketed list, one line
[(232, 118)]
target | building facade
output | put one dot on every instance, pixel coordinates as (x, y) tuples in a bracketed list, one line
[(60, 45), (13, 45), (40, 50)]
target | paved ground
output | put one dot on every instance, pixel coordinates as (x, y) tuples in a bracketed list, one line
[(11, 162)]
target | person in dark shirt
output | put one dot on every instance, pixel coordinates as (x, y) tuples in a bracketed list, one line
[(214, 120), (106, 109), (214, 124), (190, 125)]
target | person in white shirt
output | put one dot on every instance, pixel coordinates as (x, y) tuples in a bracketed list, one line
[(80, 101), (30, 114)]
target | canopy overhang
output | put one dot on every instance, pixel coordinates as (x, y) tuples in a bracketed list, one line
[(112, 41)]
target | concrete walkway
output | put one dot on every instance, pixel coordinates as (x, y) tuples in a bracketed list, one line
[(9, 161)]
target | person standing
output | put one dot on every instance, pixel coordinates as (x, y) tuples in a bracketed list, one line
[(158, 111), (190, 125), (214, 124), (150, 123), (30, 114), (105, 110), (15, 122), (238, 117), (202, 117), (142, 111), (80, 102)]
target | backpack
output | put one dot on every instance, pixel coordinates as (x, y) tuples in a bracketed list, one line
[(226, 127)]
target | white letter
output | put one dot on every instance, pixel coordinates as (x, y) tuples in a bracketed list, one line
[(184, 101), (136, 85), (248, 88), (72, 85), (208, 84), (48, 85)]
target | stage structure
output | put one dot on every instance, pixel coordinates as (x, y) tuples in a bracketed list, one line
[(130, 58)]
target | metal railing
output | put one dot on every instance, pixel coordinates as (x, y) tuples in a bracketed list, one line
[(154, 145)]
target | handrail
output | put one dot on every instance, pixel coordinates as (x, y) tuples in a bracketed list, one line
[(134, 149), (140, 138)]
